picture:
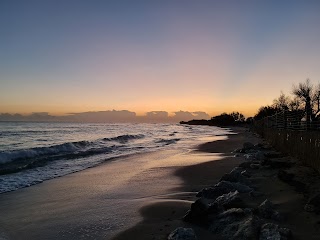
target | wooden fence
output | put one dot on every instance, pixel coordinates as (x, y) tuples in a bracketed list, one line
[(304, 145)]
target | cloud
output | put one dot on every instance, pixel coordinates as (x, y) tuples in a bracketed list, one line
[(109, 116), (185, 115), (105, 116)]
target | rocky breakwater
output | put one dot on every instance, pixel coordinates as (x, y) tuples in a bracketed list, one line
[(231, 209)]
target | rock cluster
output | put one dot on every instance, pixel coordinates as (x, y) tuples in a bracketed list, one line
[(182, 234), (223, 210)]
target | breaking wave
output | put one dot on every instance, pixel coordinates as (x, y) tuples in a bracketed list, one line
[(124, 138)]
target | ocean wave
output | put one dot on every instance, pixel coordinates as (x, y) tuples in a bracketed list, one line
[(124, 138), (168, 141), (19, 160), (78, 148), (70, 147)]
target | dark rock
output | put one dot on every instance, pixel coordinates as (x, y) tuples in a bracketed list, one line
[(259, 156), (273, 154), (242, 151), (198, 212), (182, 234), (221, 188), (212, 192), (255, 166), (285, 233), (235, 223), (230, 200), (227, 217), (248, 145), (236, 176), (245, 173), (271, 231), (278, 163), (266, 210), (247, 164), (248, 229), (256, 194), (249, 157), (258, 146), (313, 204), (254, 155), (232, 186)]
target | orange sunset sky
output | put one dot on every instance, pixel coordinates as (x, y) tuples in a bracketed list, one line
[(212, 56)]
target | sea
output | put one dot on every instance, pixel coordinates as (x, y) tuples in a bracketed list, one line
[(31, 153)]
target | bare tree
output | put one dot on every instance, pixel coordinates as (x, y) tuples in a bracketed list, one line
[(304, 92), (316, 98)]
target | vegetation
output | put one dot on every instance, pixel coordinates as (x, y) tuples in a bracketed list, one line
[(305, 101), (224, 119)]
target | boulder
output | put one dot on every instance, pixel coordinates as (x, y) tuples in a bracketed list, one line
[(230, 200), (198, 212), (220, 221), (255, 166), (245, 173), (223, 187), (248, 229), (271, 231), (259, 155), (254, 155), (249, 157), (266, 210), (248, 146), (313, 204), (258, 146), (278, 163), (248, 163), (232, 186), (182, 234), (235, 223), (285, 233), (273, 154), (213, 192), (236, 176)]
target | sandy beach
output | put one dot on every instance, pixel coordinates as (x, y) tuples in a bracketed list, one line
[(160, 218), (141, 197), (115, 199)]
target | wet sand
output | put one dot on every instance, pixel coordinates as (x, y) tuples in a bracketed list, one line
[(161, 218)]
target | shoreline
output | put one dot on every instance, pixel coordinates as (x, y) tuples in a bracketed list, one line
[(96, 203), (294, 215), (145, 197), (158, 218)]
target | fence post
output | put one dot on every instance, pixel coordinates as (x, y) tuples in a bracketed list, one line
[(308, 111), (285, 119)]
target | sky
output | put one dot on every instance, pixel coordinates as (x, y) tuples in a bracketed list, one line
[(73, 56)]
